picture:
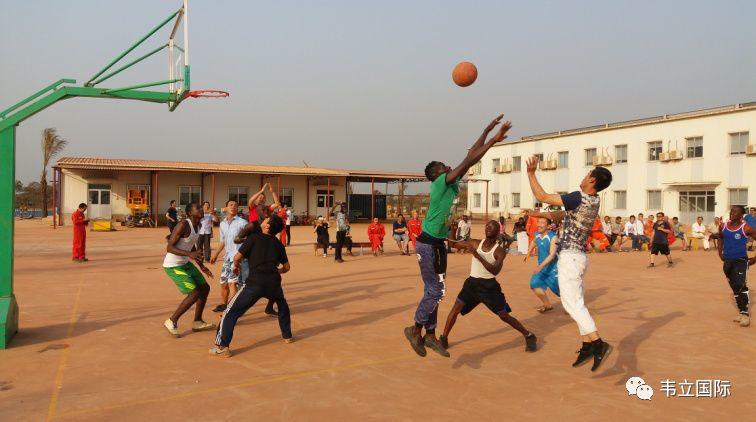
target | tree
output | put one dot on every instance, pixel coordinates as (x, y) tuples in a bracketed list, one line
[(52, 145)]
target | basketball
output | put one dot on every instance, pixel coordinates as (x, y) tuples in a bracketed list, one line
[(464, 74)]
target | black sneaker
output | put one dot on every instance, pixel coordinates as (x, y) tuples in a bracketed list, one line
[(219, 308), (670, 264), (415, 341), (600, 352), (531, 343), (445, 341), (434, 344), (650, 266), (584, 354)]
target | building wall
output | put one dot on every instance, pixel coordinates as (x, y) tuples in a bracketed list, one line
[(638, 175), (75, 189)]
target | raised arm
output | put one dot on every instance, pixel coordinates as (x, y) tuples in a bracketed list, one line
[(253, 198), (276, 202), (479, 148), (538, 191)]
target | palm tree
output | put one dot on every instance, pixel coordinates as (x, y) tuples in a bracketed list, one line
[(52, 145)]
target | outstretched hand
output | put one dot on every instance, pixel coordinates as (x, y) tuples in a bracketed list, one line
[(502, 133), (493, 123), (532, 164)]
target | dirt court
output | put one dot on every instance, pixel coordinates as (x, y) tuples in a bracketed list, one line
[(92, 346)]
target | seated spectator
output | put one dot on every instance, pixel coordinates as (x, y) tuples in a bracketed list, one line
[(677, 232), (714, 232), (698, 231)]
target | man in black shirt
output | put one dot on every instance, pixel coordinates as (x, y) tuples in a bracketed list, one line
[(267, 261), (660, 242), (171, 216)]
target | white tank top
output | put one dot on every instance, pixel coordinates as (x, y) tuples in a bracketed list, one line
[(185, 244), (477, 269)]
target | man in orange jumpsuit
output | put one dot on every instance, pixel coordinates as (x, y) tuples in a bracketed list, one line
[(530, 228), (376, 232), (282, 214), (415, 227), (80, 222), (597, 234)]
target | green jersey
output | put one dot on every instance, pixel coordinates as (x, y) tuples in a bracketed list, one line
[(441, 201)]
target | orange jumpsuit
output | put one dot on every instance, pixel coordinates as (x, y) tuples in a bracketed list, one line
[(282, 235), (531, 226), (376, 232), (415, 227), (79, 234), (597, 234)]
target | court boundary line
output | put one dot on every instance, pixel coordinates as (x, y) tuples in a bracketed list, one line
[(58, 383)]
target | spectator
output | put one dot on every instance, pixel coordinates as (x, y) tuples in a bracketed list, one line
[(640, 230), (678, 232), (400, 235), (714, 233), (323, 238), (171, 216), (504, 239), (463, 229), (617, 230), (698, 231), (631, 231), (606, 228)]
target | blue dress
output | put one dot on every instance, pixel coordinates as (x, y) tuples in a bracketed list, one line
[(547, 277)]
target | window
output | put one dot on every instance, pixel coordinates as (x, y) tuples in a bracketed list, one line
[(495, 200), (590, 153), (739, 197), (738, 143), (477, 167), (620, 199), (620, 154), (495, 165), (654, 149), (516, 164), (139, 188), (476, 200), (695, 147), (653, 200), (189, 194), (516, 200), (238, 194), (287, 196), (540, 156), (563, 158)]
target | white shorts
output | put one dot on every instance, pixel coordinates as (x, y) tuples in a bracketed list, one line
[(227, 272)]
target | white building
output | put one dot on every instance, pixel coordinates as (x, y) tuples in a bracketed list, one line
[(686, 164)]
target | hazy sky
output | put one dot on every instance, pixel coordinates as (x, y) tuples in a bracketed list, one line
[(357, 84)]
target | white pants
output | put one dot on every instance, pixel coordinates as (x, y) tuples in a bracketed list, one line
[(522, 243), (571, 267), (701, 236)]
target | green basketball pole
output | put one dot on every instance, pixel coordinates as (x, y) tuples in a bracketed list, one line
[(61, 90)]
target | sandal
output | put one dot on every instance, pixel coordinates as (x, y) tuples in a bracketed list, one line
[(544, 309)]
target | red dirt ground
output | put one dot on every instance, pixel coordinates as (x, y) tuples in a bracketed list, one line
[(92, 347)]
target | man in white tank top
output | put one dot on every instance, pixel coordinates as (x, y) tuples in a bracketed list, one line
[(482, 287), (188, 279)]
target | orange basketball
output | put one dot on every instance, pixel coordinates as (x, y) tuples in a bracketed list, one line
[(464, 74)]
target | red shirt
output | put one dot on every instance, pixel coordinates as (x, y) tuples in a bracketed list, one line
[(254, 214), (415, 227)]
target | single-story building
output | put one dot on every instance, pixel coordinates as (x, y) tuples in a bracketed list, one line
[(107, 185)]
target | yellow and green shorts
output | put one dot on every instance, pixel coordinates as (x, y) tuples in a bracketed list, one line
[(187, 277)]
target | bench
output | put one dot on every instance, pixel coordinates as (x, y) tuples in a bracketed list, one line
[(332, 245)]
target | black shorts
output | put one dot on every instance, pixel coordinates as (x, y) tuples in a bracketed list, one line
[(659, 248), (482, 290), (736, 270)]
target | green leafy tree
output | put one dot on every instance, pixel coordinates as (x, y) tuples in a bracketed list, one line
[(52, 145)]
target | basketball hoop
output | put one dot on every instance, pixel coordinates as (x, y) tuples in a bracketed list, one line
[(207, 93)]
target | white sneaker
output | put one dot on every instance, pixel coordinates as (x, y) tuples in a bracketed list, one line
[(202, 326), (172, 328), (325, 256), (745, 320), (220, 351)]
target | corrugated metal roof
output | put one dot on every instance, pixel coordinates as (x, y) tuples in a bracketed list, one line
[(96, 163)]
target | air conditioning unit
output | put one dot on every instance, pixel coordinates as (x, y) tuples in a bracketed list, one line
[(605, 160), (505, 168), (471, 171), (751, 150), (675, 155), (548, 164), (664, 157), (543, 165)]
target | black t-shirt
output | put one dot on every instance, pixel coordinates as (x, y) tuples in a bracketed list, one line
[(322, 230), (173, 213), (402, 225), (660, 237), (264, 253)]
